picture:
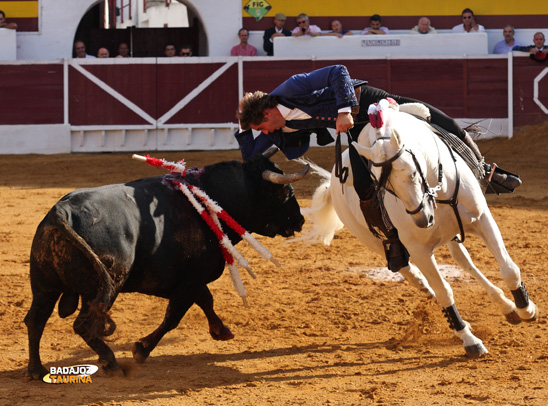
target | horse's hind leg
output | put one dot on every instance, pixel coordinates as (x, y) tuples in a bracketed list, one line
[(489, 231), (216, 327), (506, 306), (42, 306)]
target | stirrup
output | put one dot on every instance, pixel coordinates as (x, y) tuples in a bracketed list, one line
[(492, 186)]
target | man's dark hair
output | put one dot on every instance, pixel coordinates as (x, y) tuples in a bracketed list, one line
[(252, 107), (467, 10), (375, 17), (3, 14), (168, 44)]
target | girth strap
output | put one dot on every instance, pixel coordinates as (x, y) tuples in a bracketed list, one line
[(453, 201)]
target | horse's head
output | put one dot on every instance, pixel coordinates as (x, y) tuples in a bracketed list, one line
[(402, 172)]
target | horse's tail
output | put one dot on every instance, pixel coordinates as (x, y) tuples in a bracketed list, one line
[(321, 214)]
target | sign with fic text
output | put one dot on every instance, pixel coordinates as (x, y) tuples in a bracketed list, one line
[(257, 8)]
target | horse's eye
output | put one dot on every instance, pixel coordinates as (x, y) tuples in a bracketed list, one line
[(414, 175)]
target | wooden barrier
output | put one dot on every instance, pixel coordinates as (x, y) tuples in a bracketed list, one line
[(189, 103)]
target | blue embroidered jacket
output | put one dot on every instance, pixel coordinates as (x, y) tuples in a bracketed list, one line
[(320, 94)]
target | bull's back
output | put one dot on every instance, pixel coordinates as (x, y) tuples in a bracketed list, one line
[(143, 232)]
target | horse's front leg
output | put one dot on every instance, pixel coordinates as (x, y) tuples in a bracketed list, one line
[(510, 272), (462, 258), (444, 295)]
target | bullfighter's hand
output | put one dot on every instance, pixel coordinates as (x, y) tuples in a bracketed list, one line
[(345, 121)]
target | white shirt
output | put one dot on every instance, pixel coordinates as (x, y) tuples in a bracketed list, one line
[(459, 29), (297, 114)]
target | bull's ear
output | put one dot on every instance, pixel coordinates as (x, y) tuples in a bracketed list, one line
[(364, 151), (269, 153)]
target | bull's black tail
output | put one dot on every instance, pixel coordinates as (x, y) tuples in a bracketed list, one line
[(102, 324)]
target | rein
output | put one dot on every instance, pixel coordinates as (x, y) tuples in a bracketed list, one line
[(430, 193)]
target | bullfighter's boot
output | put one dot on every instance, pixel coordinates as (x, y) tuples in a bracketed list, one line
[(396, 254), (507, 180)]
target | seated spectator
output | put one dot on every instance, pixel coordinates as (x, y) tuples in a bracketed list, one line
[(538, 51), (506, 45), (186, 50), (80, 50), (469, 24), (423, 27), (103, 53), (375, 26), (338, 31), (243, 48), (4, 23), (123, 50), (169, 50), (304, 29), (277, 31)]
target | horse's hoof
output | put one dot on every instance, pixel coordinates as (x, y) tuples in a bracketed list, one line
[(476, 350), (140, 354), (224, 335), (535, 316), (525, 315), (513, 317)]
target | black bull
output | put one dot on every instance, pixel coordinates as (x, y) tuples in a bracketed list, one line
[(144, 236)]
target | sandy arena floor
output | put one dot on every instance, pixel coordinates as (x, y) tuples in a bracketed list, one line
[(319, 330)]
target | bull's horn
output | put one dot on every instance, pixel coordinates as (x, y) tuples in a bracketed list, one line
[(269, 153), (282, 179)]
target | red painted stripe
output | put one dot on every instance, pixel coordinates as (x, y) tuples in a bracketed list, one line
[(25, 24)]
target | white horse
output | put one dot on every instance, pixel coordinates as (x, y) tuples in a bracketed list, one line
[(408, 148)]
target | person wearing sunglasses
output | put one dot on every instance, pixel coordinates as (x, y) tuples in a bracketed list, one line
[(186, 50), (375, 26), (469, 24), (304, 29)]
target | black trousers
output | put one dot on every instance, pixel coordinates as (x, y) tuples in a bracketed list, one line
[(369, 95)]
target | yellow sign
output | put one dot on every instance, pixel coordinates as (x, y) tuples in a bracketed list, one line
[(257, 8)]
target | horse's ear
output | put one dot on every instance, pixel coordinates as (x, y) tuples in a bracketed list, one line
[(364, 151), (395, 139)]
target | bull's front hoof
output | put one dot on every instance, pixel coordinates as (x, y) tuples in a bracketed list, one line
[(140, 353), (37, 373), (476, 350), (224, 335), (513, 317), (111, 368), (114, 371)]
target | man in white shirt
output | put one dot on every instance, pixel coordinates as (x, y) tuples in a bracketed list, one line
[(80, 50), (469, 24)]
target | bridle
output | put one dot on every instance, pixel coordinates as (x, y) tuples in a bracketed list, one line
[(429, 193)]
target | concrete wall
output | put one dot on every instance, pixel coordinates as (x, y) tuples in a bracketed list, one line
[(8, 51), (59, 21), (493, 36)]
